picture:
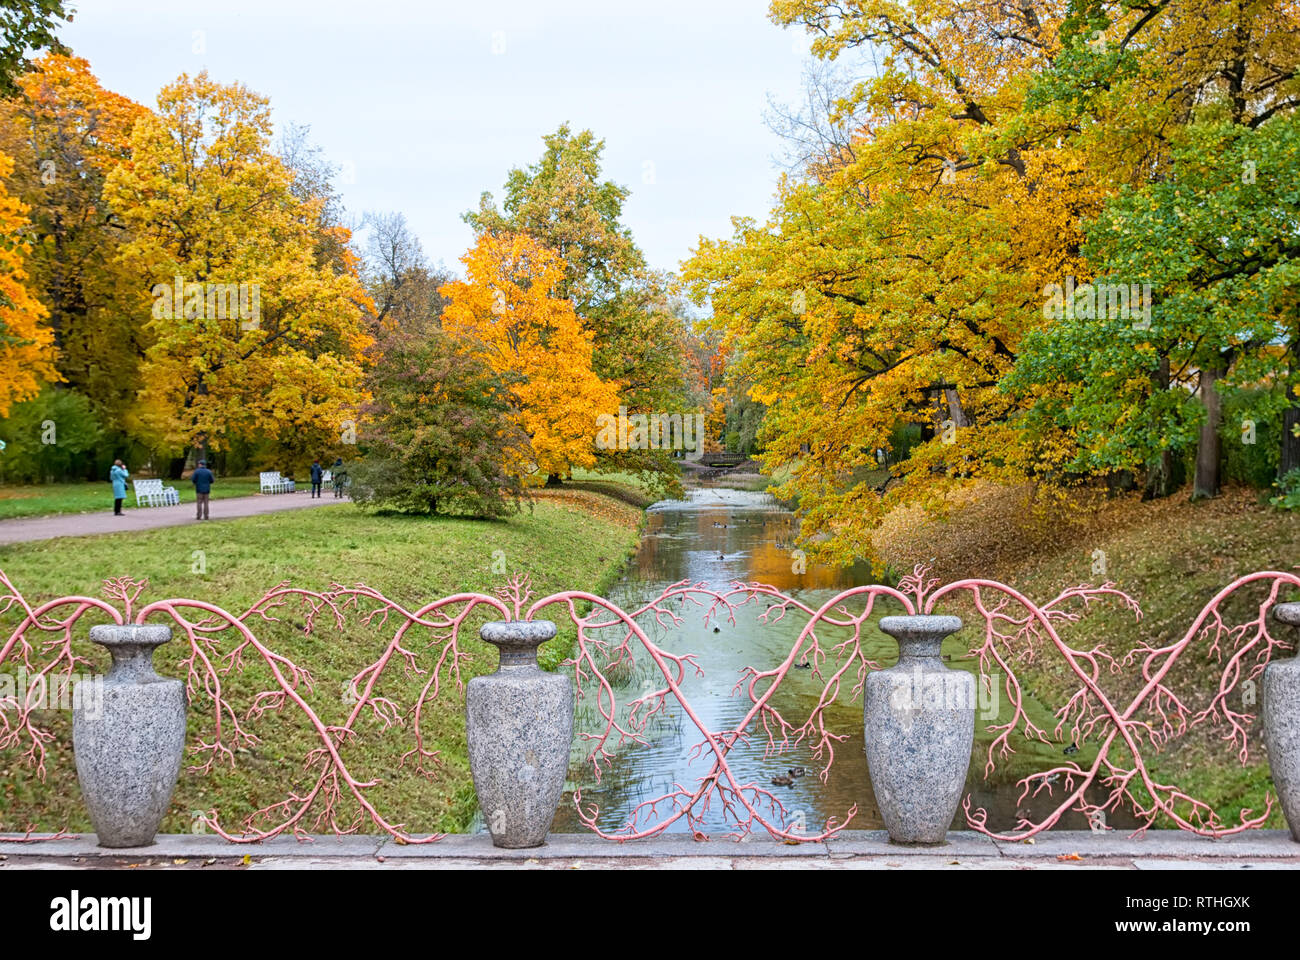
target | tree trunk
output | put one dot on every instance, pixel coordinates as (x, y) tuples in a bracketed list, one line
[(1119, 481), (1209, 452), (957, 417), (935, 411), (553, 480), (1161, 481), (955, 411), (1290, 458)]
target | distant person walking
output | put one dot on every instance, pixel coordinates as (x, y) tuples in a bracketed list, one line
[(339, 475), (118, 476), (203, 480), (317, 477)]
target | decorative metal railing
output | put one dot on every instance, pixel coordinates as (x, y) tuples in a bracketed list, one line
[(426, 644)]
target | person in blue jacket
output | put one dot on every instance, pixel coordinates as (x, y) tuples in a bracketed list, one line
[(118, 476), (317, 476)]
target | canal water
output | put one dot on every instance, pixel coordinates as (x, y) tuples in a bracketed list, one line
[(718, 536)]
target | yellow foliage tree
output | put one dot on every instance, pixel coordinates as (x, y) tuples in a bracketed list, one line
[(215, 222), (889, 291), (906, 270), (507, 307), (66, 133)]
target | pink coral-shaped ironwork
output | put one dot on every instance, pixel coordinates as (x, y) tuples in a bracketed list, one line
[(1016, 631)]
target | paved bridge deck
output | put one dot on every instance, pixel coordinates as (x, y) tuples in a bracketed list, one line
[(852, 849)]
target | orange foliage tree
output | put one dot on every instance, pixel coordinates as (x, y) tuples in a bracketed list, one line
[(66, 133), (26, 342), (508, 309)]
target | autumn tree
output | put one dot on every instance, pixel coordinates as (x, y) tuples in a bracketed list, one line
[(212, 213), (313, 186), (903, 274), (635, 320), (439, 433), (509, 307), (1194, 102), (67, 134), (1215, 242), (439, 429), (562, 203), (403, 287), (903, 263), (26, 342)]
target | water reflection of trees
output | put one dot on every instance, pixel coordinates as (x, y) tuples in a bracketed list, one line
[(682, 544)]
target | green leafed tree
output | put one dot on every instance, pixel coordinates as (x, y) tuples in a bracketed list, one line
[(48, 438), (437, 435), (1191, 104), (1217, 242), (27, 25)]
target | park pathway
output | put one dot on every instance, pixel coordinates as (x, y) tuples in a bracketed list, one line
[(26, 529)]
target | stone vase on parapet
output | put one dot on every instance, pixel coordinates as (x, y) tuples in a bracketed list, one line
[(519, 726), (130, 741), (1280, 714), (919, 724)]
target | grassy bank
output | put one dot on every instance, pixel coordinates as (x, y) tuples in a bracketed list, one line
[(53, 498), (561, 545), (1172, 556)]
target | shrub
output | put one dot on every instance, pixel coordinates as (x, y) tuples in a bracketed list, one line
[(1250, 457), (438, 434), (48, 438), (1288, 489)]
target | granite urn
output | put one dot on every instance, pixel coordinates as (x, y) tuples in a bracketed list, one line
[(1281, 721), (919, 718), (519, 724), (129, 742)]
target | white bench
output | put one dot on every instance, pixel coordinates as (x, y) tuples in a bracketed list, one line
[(272, 482), (152, 493), (327, 478)]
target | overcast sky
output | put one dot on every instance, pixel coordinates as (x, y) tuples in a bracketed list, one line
[(426, 105)]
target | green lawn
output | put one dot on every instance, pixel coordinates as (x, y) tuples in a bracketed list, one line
[(411, 560), (46, 499), (628, 487), (630, 479)]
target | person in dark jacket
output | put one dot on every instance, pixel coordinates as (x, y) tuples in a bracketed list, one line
[(317, 475), (340, 477), (203, 480)]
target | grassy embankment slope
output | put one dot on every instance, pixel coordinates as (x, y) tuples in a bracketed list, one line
[(579, 541), (1172, 556)]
